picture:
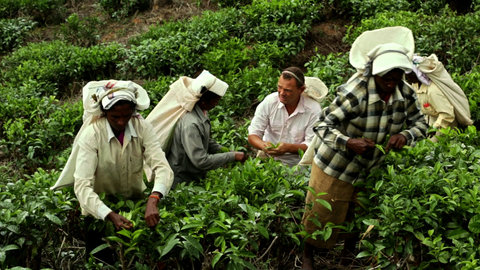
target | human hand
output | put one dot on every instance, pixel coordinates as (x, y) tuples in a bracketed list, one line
[(240, 156), (360, 145), (277, 150), (396, 141), (119, 221), (151, 212)]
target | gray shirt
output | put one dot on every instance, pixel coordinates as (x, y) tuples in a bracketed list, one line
[(193, 152)]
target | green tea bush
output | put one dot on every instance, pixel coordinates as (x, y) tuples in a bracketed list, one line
[(60, 64), (226, 221), (43, 11), (123, 8), (470, 83), (33, 139), (178, 52), (333, 69), (424, 206), (35, 221), (13, 32), (433, 34), (81, 31), (227, 56), (247, 89)]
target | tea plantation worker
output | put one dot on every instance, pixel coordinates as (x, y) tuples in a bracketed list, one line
[(441, 100), (109, 153), (192, 152), (283, 121), (375, 106)]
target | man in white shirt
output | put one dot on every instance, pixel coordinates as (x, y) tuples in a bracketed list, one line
[(283, 121)]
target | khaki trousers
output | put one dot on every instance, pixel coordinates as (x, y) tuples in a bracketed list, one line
[(339, 195)]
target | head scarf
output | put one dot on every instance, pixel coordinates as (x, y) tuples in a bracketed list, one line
[(372, 52)]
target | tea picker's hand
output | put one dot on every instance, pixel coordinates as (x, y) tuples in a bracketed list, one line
[(119, 221)]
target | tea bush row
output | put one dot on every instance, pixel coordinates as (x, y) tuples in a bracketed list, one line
[(226, 221), (185, 47), (423, 206), (359, 10), (13, 32), (58, 65), (42, 11)]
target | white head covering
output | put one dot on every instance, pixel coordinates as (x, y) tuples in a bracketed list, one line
[(388, 56), (381, 50), (212, 83)]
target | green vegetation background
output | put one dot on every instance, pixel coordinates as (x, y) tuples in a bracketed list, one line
[(421, 210)]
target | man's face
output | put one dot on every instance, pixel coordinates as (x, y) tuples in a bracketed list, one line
[(118, 116), (288, 92), (388, 82)]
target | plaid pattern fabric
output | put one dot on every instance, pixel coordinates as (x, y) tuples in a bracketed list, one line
[(358, 111)]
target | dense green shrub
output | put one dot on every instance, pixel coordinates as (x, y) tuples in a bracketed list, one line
[(34, 222), (333, 69), (424, 205), (227, 56), (43, 11), (122, 8), (13, 32), (60, 64), (470, 83), (81, 31), (45, 128), (223, 221)]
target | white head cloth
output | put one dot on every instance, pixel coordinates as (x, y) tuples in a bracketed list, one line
[(379, 51)]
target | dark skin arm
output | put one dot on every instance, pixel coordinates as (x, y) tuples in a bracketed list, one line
[(360, 145), (119, 221), (397, 141), (151, 212)]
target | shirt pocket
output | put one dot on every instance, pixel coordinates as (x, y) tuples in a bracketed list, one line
[(136, 161)]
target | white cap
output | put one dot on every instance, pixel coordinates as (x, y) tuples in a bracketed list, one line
[(388, 56), (212, 83)]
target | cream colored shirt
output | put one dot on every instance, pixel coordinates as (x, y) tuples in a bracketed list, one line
[(104, 165), (273, 124), (438, 111)]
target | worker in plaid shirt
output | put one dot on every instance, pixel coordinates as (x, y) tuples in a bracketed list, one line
[(375, 106)]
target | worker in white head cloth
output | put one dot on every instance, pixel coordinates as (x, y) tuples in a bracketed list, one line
[(375, 106), (192, 152), (441, 100), (108, 153)]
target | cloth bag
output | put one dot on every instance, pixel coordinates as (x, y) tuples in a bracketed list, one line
[(437, 73), (91, 113), (180, 99)]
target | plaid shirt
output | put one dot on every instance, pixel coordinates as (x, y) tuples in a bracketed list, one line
[(358, 111)]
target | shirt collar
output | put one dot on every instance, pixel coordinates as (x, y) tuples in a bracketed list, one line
[(374, 97), (300, 106), (200, 113), (129, 131)]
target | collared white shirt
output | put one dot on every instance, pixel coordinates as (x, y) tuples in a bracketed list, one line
[(105, 165), (273, 124)]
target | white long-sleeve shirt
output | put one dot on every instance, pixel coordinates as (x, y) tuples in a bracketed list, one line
[(104, 165)]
